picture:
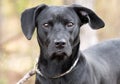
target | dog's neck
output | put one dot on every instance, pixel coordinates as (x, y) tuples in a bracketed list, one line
[(50, 68)]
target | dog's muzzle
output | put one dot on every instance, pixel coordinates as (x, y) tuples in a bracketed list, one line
[(60, 44), (59, 48)]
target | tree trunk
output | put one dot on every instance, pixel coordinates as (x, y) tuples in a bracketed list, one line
[(0, 29)]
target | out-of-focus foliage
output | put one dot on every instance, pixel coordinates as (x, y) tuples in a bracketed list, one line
[(18, 55), (109, 10)]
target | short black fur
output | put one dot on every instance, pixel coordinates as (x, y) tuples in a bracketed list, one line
[(58, 29)]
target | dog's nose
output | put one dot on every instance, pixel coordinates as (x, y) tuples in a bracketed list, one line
[(60, 43)]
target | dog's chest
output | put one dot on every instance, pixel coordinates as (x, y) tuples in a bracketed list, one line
[(71, 79), (59, 81)]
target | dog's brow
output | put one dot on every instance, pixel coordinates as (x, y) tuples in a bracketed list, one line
[(47, 20)]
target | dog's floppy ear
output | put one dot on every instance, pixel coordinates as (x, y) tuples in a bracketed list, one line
[(88, 16), (28, 19)]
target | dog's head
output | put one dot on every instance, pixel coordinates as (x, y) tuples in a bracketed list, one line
[(58, 27)]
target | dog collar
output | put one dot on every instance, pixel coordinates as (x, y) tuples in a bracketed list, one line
[(63, 74)]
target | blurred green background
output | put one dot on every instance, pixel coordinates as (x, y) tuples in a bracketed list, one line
[(18, 55)]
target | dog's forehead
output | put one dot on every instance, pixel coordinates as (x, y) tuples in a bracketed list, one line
[(58, 10), (55, 11)]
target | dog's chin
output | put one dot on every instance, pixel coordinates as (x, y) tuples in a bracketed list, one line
[(59, 55)]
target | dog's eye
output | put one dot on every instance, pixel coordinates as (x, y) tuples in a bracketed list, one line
[(45, 25), (70, 24)]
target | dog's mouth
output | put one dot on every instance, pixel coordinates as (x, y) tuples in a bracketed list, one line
[(59, 55)]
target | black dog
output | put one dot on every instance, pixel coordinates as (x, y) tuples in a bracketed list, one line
[(60, 60)]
